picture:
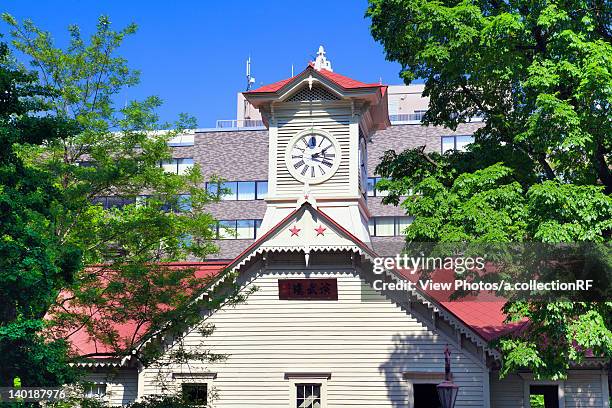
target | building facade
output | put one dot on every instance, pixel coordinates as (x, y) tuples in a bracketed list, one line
[(216, 151), (306, 228)]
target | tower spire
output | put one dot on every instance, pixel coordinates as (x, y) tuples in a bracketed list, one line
[(321, 62)]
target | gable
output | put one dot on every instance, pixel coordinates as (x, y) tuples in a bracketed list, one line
[(363, 337), (310, 252), (296, 234), (316, 93)]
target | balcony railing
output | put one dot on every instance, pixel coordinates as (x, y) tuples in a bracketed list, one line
[(407, 117), (254, 123), (248, 123)]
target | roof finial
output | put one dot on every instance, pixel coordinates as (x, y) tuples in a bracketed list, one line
[(321, 62)]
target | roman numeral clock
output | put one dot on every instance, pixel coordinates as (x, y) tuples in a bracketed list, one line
[(319, 125), (313, 156)]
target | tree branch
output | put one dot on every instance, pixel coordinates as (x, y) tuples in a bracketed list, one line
[(426, 156)]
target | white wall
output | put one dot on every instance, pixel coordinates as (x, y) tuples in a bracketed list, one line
[(365, 346), (121, 384), (582, 388)]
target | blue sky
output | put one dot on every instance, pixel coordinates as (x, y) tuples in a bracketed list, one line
[(192, 53)]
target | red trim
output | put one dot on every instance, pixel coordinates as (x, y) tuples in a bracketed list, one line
[(262, 238), (359, 242), (215, 262)]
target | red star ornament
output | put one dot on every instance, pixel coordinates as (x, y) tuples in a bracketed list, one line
[(294, 231)]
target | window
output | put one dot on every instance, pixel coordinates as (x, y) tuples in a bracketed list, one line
[(371, 182), (109, 202), (401, 223), (257, 227), (456, 143), (385, 227), (308, 395), (372, 192), (425, 396), (228, 190), (95, 390), (177, 166), (544, 396), (246, 190), (182, 204), (388, 226), (262, 190), (183, 165), (239, 190), (227, 229), (245, 229), (461, 142), (196, 394), (238, 229)]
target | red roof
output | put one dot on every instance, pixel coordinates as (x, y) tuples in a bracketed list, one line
[(486, 318), (83, 344), (340, 80)]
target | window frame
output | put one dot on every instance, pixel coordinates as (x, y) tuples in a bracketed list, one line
[(256, 225), (91, 384), (454, 137), (235, 187), (196, 384), (294, 379), (412, 378), (528, 381), (375, 193), (207, 378), (372, 225), (303, 385), (174, 162)]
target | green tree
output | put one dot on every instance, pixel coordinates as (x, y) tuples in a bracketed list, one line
[(161, 216), (35, 265), (539, 74)]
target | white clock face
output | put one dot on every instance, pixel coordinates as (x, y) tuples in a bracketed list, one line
[(313, 157)]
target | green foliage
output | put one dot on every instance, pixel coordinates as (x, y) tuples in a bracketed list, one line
[(536, 401), (34, 263), (539, 74), (540, 169), (28, 355), (116, 152), (162, 401)]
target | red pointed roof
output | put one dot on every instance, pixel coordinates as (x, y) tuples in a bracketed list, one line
[(340, 80)]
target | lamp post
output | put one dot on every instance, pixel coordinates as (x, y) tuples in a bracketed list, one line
[(447, 389)]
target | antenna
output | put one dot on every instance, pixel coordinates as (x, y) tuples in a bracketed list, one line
[(250, 80), (292, 70)]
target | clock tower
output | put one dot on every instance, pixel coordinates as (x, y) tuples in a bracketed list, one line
[(319, 125)]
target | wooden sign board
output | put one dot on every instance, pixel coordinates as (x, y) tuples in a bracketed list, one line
[(308, 289)]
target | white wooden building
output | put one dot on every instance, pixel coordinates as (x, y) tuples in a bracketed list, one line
[(316, 333)]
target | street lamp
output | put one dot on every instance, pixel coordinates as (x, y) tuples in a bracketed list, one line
[(447, 389)]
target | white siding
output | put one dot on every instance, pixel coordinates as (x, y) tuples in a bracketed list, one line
[(121, 385), (583, 389), (366, 346), (508, 392)]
